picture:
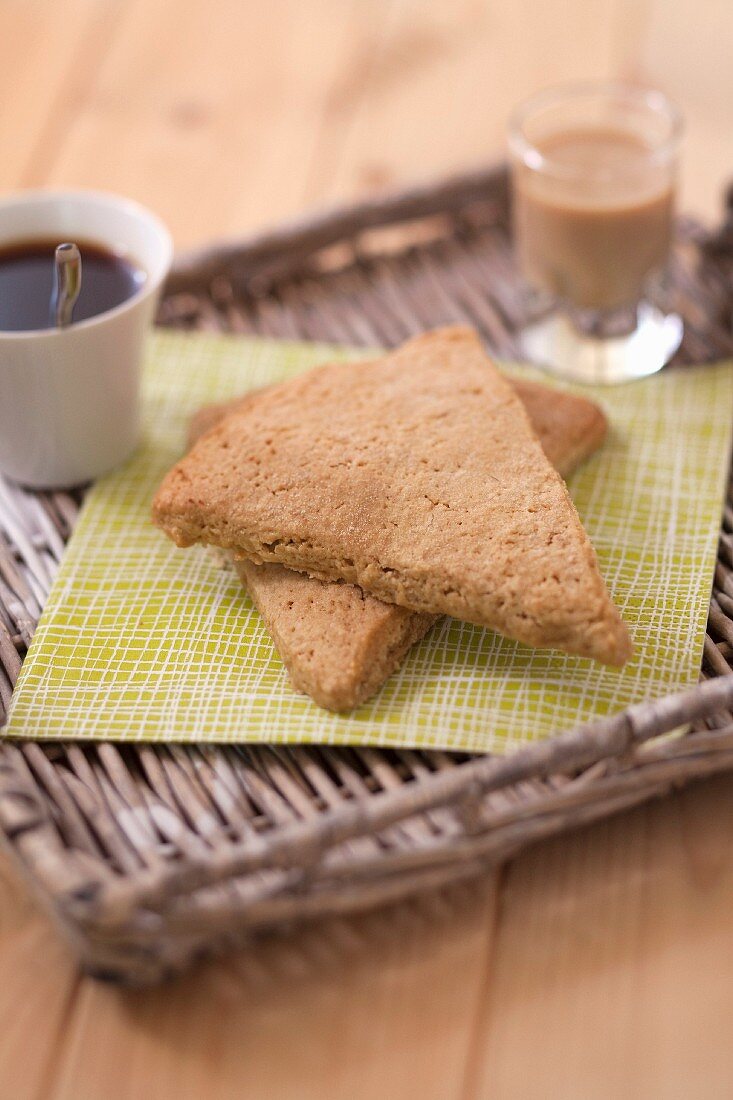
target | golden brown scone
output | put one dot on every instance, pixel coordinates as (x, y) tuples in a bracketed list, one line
[(339, 644), (570, 428), (416, 476)]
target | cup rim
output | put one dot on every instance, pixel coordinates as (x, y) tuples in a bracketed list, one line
[(654, 100), (111, 200)]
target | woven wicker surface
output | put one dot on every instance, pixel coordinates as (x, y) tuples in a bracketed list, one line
[(148, 856)]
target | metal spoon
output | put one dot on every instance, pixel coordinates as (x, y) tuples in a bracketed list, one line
[(66, 284)]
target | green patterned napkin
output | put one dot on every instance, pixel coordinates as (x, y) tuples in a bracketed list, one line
[(142, 641)]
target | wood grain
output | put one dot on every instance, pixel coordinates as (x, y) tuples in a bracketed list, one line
[(49, 54), (682, 49), (39, 983), (597, 965), (223, 128), (610, 959), (378, 1006), (438, 84)]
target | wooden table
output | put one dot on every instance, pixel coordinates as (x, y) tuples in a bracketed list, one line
[(596, 965)]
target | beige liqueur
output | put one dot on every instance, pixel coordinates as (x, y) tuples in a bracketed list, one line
[(594, 225)]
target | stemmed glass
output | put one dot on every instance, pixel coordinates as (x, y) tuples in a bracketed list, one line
[(594, 172)]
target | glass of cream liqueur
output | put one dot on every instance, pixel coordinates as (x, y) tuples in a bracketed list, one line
[(594, 173)]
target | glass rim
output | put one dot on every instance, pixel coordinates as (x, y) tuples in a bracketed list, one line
[(652, 99)]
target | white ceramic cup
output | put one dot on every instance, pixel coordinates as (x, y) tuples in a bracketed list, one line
[(69, 398)]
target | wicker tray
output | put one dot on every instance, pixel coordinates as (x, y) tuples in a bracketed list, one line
[(149, 856)]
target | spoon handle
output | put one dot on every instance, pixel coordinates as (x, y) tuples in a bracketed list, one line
[(66, 284)]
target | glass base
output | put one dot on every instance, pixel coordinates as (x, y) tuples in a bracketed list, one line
[(556, 345)]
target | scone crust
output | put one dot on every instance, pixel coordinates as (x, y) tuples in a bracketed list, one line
[(417, 476), (339, 644)]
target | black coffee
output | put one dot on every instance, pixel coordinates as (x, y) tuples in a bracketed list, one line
[(26, 283)]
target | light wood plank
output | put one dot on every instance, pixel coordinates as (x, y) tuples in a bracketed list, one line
[(376, 1006), (39, 981), (438, 85), (213, 118), (48, 54), (684, 49), (612, 960)]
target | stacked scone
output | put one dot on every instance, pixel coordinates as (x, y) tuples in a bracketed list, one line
[(361, 501)]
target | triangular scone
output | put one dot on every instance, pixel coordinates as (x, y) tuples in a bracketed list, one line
[(570, 428), (339, 644), (416, 476)]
